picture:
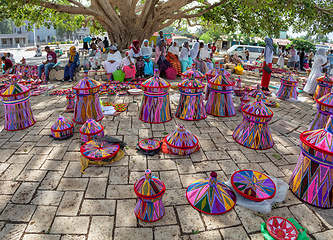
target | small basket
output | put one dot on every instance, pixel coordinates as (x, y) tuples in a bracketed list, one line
[(90, 129)]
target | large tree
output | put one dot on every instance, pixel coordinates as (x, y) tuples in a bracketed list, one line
[(126, 20)]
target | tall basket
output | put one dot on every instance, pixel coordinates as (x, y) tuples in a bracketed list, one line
[(155, 104), (324, 86), (87, 105), (288, 88), (325, 110), (18, 112)]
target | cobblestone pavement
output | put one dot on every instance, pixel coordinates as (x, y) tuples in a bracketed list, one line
[(43, 194)]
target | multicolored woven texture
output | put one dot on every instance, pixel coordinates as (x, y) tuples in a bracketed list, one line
[(253, 132), (149, 144), (18, 112), (257, 90), (219, 100), (181, 141), (62, 128), (149, 189), (70, 101), (325, 110), (99, 150), (86, 86), (191, 106), (155, 104), (244, 100), (90, 129), (312, 179), (324, 86), (210, 196), (213, 72), (193, 72), (253, 185), (281, 228), (288, 88)]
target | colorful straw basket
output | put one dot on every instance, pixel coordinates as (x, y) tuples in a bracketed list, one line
[(244, 100), (193, 72), (211, 196), (91, 129), (149, 190), (288, 88), (312, 178), (62, 128), (18, 112), (253, 132), (213, 72), (181, 141), (155, 105), (87, 105), (191, 106), (257, 90), (70, 102), (96, 150), (324, 86), (280, 228), (325, 110)]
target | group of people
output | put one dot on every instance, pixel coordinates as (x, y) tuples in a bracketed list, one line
[(101, 44), (8, 61), (296, 58)]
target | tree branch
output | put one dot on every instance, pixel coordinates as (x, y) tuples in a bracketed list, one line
[(77, 3)]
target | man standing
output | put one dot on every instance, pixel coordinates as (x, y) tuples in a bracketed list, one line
[(247, 54), (86, 42), (160, 37), (50, 62), (310, 58), (106, 42), (301, 59), (213, 48)]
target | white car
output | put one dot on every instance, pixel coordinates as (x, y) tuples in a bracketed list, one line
[(239, 50)]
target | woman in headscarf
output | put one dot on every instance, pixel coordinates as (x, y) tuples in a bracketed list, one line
[(194, 51), (292, 60), (320, 60), (128, 66), (206, 57), (185, 58), (283, 54), (95, 56), (268, 54), (200, 60), (172, 57), (74, 61), (147, 52), (137, 55), (113, 61), (160, 59)]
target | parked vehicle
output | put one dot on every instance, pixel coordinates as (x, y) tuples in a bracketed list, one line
[(239, 50)]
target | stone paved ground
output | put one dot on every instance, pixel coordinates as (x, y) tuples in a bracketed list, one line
[(43, 194)]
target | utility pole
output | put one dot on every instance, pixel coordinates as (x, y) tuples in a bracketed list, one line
[(34, 36)]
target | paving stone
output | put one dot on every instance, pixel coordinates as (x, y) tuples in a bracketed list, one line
[(3, 167), (123, 217), (257, 236), (120, 192), (188, 179), (234, 233), (8, 187), (11, 145), (44, 141), (253, 166), (228, 219), (73, 170), (25, 192), (307, 218), (72, 156), (171, 179), (101, 228), (217, 155), (160, 165), (238, 157), (54, 165), (189, 219), (290, 199), (70, 225), (15, 158), (4, 200), (57, 153), (51, 180), (185, 166), (41, 237), (96, 172), (36, 162), (98, 207), (207, 166), (257, 157), (6, 154), (48, 198), (96, 188), (12, 172), (73, 237), (118, 175), (248, 219), (228, 166), (70, 203), (133, 233), (324, 235), (212, 235), (169, 218), (138, 163), (42, 219), (174, 197), (25, 148), (74, 184), (12, 231), (271, 169), (32, 175), (167, 233), (17, 213)]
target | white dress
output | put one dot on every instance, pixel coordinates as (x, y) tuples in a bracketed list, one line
[(111, 67), (280, 62)]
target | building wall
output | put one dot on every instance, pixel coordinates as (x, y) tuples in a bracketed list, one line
[(42, 34)]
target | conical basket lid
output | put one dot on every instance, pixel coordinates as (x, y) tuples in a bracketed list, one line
[(181, 138), (62, 124), (326, 100), (14, 89), (192, 71), (149, 186), (91, 127), (221, 79), (191, 83), (155, 81), (214, 71), (211, 196), (325, 79), (257, 108), (289, 78), (320, 139), (86, 83), (245, 97)]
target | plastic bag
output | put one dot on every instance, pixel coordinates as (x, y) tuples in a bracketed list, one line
[(118, 75), (239, 69), (265, 206)]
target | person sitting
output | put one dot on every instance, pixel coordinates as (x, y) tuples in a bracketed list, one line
[(95, 56), (160, 59), (128, 66), (200, 60), (74, 61), (185, 58), (206, 57), (7, 64), (173, 58), (38, 51), (113, 60), (49, 63), (137, 55), (11, 57), (147, 52)]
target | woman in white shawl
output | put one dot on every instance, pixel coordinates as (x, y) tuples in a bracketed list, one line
[(200, 64), (283, 54), (128, 65), (205, 56), (173, 57), (194, 51), (320, 61), (147, 52), (113, 61), (185, 58)]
